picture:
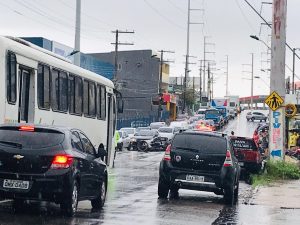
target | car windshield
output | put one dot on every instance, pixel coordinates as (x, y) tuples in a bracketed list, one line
[(165, 130), (145, 133), (203, 143), (212, 112), (201, 112), (222, 110), (128, 130), (37, 139)]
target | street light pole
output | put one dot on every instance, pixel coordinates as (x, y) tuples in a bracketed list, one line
[(252, 75)]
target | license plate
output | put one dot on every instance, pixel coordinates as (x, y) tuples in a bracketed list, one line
[(16, 184), (194, 178), (241, 163)]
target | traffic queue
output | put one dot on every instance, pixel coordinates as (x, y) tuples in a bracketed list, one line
[(157, 135)]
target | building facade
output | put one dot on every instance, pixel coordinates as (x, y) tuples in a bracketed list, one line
[(137, 78)]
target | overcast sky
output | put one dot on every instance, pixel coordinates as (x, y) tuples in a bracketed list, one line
[(161, 25)]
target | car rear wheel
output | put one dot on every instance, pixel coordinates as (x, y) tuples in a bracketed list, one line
[(142, 146), (69, 206), (236, 192), (163, 188), (98, 202), (174, 194), (229, 195)]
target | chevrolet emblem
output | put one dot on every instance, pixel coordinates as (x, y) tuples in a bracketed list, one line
[(18, 157)]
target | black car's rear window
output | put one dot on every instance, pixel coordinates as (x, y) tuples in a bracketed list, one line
[(243, 144), (203, 143), (37, 139)]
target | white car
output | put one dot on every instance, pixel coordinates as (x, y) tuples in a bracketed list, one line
[(179, 124), (168, 132), (157, 125), (129, 130), (124, 141)]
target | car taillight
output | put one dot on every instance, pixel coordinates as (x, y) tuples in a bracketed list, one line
[(61, 162), (228, 159), (26, 128), (167, 156)]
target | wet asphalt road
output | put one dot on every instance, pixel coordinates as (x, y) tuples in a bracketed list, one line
[(132, 198)]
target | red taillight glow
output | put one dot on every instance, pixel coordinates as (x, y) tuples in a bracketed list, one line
[(228, 159), (61, 162), (26, 128), (167, 156)]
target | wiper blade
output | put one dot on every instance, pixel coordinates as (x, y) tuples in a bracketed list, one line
[(14, 144)]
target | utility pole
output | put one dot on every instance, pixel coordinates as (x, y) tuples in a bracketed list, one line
[(186, 69), (208, 83), (252, 77), (162, 61), (227, 75), (200, 85), (77, 33), (117, 43), (278, 49), (204, 62)]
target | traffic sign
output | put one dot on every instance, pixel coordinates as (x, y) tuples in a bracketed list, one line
[(274, 101), (290, 110)]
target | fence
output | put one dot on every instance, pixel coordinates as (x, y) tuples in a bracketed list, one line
[(135, 122)]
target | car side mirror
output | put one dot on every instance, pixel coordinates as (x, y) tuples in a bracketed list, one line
[(101, 152)]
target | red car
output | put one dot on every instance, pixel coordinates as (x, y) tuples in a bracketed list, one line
[(247, 153)]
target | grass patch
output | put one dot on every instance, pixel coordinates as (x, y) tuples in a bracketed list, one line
[(275, 171)]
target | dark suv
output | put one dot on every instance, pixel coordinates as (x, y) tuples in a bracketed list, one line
[(49, 163), (199, 161)]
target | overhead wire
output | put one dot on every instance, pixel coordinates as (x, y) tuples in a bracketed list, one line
[(178, 8), (244, 16), (52, 19), (162, 16)]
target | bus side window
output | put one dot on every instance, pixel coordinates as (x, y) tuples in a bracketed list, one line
[(103, 103), (43, 86), (71, 94), (59, 87), (92, 99), (11, 79), (85, 98), (78, 95)]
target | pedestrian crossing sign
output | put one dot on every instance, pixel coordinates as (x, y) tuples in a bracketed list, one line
[(274, 101)]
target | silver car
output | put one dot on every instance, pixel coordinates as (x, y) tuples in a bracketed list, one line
[(256, 116)]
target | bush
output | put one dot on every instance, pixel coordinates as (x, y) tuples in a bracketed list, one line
[(283, 170), (276, 170)]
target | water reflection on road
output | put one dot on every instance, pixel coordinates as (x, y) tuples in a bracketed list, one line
[(132, 199)]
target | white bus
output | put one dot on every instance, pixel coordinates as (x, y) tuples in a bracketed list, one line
[(38, 86)]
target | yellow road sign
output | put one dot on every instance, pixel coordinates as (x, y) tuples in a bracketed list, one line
[(274, 101)]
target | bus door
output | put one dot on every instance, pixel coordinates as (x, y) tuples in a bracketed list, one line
[(26, 96), (111, 124)]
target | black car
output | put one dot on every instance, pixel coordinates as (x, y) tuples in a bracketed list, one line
[(201, 161), (50, 163)]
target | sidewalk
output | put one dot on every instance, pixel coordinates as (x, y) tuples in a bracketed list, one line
[(285, 194)]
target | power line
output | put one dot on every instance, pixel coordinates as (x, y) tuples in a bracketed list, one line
[(178, 8), (162, 16), (244, 15)]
